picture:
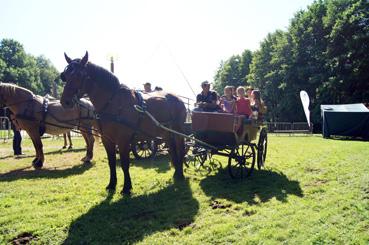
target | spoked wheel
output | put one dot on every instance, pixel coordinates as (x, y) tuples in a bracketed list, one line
[(241, 161), (144, 149), (189, 143), (197, 159), (262, 148)]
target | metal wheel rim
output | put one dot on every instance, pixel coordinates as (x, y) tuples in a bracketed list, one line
[(242, 165)]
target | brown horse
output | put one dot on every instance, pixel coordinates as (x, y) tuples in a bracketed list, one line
[(119, 122), (32, 115)]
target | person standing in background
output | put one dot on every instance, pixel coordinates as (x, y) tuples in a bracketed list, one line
[(147, 88)]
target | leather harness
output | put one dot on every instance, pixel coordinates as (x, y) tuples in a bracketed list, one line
[(44, 110)]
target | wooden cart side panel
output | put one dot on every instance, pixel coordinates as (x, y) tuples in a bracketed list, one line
[(214, 121)]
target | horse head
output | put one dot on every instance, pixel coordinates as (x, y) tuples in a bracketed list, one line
[(74, 76)]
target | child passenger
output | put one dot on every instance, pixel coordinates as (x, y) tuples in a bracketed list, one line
[(243, 103), (227, 101)]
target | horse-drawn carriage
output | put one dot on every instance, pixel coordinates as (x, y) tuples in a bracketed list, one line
[(217, 133), (228, 135), (122, 114)]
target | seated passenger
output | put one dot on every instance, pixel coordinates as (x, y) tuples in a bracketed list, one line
[(249, 90), (227, 101), (257, 105), (206, 100), (243, 103), (234, 92)]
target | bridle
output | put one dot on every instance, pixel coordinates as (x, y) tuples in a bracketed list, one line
[(83, 76)]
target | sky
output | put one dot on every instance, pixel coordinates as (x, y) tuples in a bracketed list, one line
[(174, 44)]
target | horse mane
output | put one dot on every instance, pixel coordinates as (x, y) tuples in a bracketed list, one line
[(12, 89), (104, 78)]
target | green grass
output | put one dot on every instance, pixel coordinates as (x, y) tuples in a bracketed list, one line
[(313, 191)]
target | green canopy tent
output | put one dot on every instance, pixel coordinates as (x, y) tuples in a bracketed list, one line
[(345, 120)]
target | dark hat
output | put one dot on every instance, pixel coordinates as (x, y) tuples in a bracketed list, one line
[(147, 84), (205, 83)]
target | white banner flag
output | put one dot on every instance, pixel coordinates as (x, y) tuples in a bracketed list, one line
[(305, 104)]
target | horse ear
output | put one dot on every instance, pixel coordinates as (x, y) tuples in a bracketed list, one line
[(84, 59), (67, 58)]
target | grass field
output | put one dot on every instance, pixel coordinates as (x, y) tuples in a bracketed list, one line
[(313, 191)]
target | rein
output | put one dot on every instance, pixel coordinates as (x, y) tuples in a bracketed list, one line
[(103, 116), (71, 128)]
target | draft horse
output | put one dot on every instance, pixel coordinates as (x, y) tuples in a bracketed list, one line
[(119, 122), (37, 115)]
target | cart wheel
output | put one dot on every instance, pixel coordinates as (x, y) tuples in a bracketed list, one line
[(144, 149), (262, 148), (188, 144), (241, 161), (197, 159)]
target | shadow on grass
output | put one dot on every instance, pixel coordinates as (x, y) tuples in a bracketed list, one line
[(348, 138), (161, 163), (60, 151), (130, 219), (31, 173), (262, 186)]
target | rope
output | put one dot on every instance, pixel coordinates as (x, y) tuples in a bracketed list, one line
[(180, 70)]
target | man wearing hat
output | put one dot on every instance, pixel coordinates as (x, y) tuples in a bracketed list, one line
[(147, 87), (206, 100)]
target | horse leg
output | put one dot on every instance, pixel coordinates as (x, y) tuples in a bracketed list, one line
[(34, 145), (89, 139), (65, 141), (110, 151), (38, 162), (90, 150), (70, 141), (124, 158), (85, 137), (180, 151), (178, 172)]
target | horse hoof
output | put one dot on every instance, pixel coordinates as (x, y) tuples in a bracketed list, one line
[(110, 187), (126, 192), (179, 176), (37, 164), (86, 159), (87, 162)]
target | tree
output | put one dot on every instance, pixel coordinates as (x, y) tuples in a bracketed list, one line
[(49, 76), (324, 51), (233, 71), (35, 74), (2, 69)]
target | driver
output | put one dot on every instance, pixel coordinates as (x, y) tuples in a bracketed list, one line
[(207, 99)]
